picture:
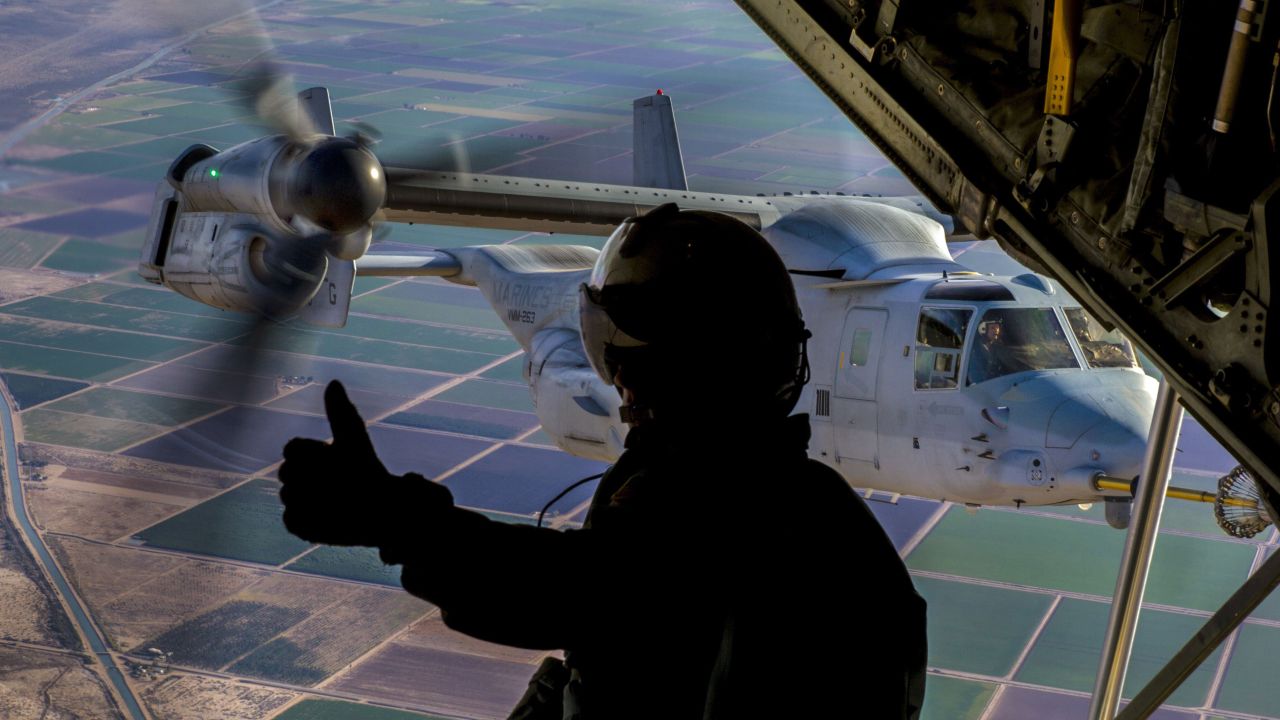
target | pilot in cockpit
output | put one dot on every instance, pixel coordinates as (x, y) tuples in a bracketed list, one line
[(991, 356)]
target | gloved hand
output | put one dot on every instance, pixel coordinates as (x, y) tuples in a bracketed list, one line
[(340, 493)]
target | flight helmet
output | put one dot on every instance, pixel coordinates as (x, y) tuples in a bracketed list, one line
[(688, 305)]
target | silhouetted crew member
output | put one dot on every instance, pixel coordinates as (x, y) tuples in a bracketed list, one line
[(720, 573)]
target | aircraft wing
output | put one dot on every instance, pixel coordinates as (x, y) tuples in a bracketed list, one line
[(1128, 149), (515, 203), (405, 263)]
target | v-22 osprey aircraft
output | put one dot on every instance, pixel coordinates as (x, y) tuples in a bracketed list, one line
[(928, 379)]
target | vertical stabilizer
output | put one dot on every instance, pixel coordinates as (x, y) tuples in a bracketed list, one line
[(656, 160), (315, 103)]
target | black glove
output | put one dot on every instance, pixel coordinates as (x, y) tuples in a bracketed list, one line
[(339, 493)]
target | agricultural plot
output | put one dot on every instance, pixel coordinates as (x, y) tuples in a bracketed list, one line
[(1066, 654), (241, 524), (52, 427), (65, 336), (449, 683), (1078, 557), (196, 697), (24, 248), (465, 419), (377, 378), (233, 627), (333, 638), (521, 480), (337, 710), (431, 301), (114, 403), (31, 390), (348, 563), (176, 325), (66, 363), (221, 635), (95, 512), (243, 439), (162, 601), (487, 393)]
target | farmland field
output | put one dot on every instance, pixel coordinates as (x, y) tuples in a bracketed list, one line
[(44, 425), (338, 710), (195, 697), (242, 524), (348, 563), (31, 390), (332, 638)]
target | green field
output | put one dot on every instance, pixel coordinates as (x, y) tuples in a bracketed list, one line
[(223, 634), (51, 427), (223, 327), (87, 256), (66, 363), (79, 338), (107, 402), (349, 563), (241, 524), (25, 248), (393, 301), (490, 394), (946, 698), (338, 710), (509, 371), (1250, 683), (1078, 557), (383, 352), (1067, 653), (979, 629)]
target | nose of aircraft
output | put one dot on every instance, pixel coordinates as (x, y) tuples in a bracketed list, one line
[(1092, 423), (1104, 426)]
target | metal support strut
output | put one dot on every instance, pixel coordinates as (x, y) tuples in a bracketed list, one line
[(1139, 546)]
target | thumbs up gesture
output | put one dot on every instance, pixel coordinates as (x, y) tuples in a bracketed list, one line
[(340, 493)]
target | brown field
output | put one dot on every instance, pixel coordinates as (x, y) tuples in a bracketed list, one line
[(170, 598), (431, 634), (18, 284), (334, 637), (438, 681), (102, 572), (185, 479), (96, 511), (136, 594), (192, 697), (437, 669), (35, 684)]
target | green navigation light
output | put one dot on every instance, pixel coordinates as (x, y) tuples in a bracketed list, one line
[(213, 172)]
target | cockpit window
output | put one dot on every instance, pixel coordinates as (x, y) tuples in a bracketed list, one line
[(1011, 340), (1102, 348), (939, 342)]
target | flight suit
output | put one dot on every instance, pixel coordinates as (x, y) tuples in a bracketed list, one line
[(733, 579)]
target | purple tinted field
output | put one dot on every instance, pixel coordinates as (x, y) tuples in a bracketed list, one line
[(904, 520), (520, 480), (88, 223), (419, 451), (465, 419), (243, 439)]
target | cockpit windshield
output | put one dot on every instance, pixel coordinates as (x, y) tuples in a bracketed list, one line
[(1102, 348), (1011, 340)]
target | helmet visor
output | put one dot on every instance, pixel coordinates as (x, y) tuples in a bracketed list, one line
[(600, 334)]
